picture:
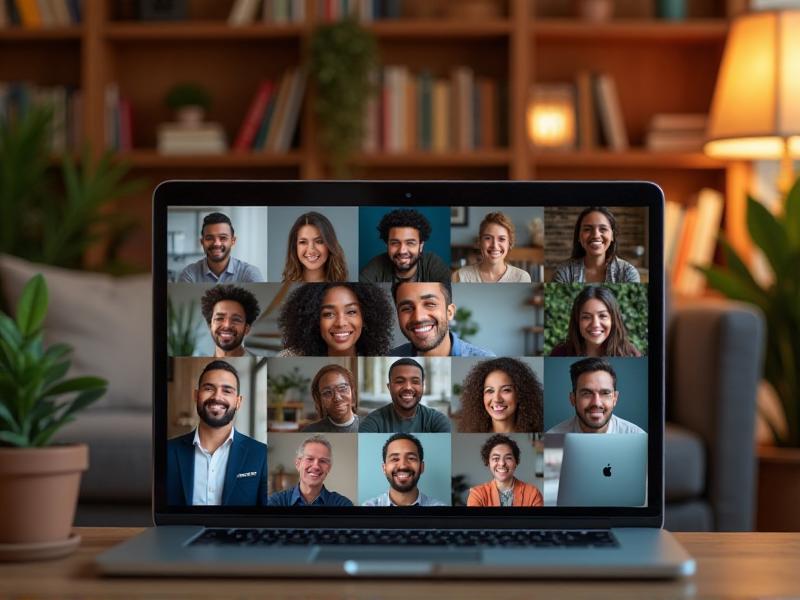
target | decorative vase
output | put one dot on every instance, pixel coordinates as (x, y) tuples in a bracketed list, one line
[(38, 497), (778, 489), (672, 10)]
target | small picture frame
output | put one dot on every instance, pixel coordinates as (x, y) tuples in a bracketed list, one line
[(458, 216)]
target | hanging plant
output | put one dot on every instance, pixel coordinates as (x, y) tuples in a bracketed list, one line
[(343, 56)]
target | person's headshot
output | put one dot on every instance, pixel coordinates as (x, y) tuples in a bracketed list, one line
[(314, 461), (403, 465), (496, 237), (596, 327), (501, 456), (313, 252), (424, 312), (230, 312), (502, 395), (335, 397), (594, 252), (217, 238), (336, 319), (404, 413), (215, 464), (405, 231), (594, 396)]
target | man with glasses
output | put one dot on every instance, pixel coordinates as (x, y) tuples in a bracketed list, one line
[(335, 398), (594, 396)]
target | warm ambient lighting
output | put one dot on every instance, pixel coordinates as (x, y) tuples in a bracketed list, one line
[(755, 113), (551, 122)]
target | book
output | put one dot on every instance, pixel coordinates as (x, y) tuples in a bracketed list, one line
[(288, 125), (243, 12), (702, 242), (585, 112), (675, 141), (487, 93), (441, 125), (673, 219), (29, 14), (176, 138), (678, 121), (60, 13), (610, 112), (253, 117), (282, 97), (425, 111)]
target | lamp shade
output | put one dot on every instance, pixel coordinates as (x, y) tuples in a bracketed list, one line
[(755, 113)]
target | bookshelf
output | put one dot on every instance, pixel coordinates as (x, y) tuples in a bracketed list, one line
[(658, 66)]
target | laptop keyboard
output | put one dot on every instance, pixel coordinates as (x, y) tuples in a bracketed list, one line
[(403, 537)]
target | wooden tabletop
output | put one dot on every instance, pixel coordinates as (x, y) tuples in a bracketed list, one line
[(730, 565)]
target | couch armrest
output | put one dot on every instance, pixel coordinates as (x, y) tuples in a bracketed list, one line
[(714, 362)]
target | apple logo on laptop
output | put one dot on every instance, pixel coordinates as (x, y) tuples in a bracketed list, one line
[(607, 471)]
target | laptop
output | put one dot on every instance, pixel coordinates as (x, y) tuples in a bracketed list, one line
[(362, 377), (603, 470)]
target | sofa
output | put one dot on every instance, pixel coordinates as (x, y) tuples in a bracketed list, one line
[(714, 351)]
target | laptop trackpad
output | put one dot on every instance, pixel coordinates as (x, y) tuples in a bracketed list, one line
[(416, 555)]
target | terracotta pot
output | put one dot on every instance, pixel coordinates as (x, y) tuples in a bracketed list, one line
[(39, 492), (778, 489)]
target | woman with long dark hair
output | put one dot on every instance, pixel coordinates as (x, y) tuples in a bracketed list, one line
[(594, 252), (313, 252), (596, 327)]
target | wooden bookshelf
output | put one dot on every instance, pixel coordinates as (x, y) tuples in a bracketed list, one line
[(659, 66)]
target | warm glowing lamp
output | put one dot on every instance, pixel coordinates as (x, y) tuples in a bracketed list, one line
[(551, 117), (755, 113)]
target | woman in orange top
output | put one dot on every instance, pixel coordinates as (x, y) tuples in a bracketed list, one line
[(501, 454)]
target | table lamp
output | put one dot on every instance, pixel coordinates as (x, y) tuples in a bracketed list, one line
[(755, 112)]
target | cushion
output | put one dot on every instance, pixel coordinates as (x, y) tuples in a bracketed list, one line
[(684, 464), (106, 320)]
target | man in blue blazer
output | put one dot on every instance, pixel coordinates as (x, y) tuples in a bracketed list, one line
[(215, 464)]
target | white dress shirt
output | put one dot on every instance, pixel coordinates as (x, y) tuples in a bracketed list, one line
[(209, 472)]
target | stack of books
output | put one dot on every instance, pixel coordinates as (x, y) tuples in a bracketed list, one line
[(178, 138), (413, 112), (65, 102), (676, 132)]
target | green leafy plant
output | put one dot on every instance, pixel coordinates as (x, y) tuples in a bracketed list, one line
[(463, 325), (632, 300), (182, 325), (188, 94), (778, 237), (343, 56), (282, 383), (35, 398), (51, 220)]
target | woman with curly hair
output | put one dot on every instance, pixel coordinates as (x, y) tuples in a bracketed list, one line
[(501, 454), (594, 252), (336, 319), (501, 395), (596, 327), (313, 252)]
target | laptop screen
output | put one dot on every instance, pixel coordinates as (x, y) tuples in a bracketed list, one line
[(388, 352)]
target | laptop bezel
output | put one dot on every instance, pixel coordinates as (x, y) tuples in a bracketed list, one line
[(399, 193)]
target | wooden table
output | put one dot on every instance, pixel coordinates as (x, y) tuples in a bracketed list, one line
[(730, 565)]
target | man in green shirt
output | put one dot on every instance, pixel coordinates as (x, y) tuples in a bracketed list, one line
[(404, 231), (405, 414)]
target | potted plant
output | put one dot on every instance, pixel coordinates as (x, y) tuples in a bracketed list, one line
[(778, 237), (189, 102), (38, 481), (343, 57)]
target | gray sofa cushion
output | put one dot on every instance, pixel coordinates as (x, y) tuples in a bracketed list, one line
[(684, 464), (694, 515), (119, 453)]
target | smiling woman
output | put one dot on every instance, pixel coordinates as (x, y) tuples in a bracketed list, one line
[(501, 455), (313, 251), (496, 237), (352, 318)]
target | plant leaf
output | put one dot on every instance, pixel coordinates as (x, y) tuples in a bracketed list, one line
[(791, 215), (77, 384), (5, 415), (14, 439), (32, 307), (768, 234), (733, 287)]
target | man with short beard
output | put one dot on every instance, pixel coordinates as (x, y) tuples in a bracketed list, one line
[(404, 231), (403, 465), (229, 311), (594, 396), (215, 464), (217, 239), (405, 413)]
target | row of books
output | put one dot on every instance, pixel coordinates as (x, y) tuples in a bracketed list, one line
[(246, 12), (422, 112), (690, 239), (37, 14), (118, 120), (270, 123), (66, 132)]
